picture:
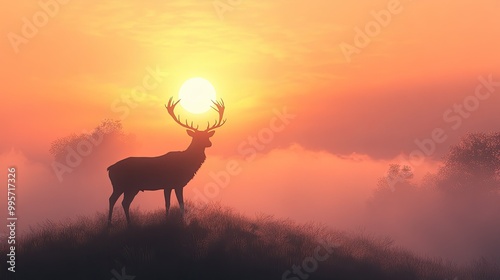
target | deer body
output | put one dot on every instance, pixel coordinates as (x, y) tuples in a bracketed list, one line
[(171, 171)]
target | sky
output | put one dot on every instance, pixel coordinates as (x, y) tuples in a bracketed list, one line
[(321, 96)]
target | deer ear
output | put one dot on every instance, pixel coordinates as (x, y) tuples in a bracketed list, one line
[(211, 133), (190, 132)]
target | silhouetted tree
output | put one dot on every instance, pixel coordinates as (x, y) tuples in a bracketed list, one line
[(457, 205), (394, 187), (473, 165), (108, 130), (88, 151)]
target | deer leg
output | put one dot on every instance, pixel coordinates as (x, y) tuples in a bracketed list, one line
[(180, 199), (166, 193), (127, 200), (112, 200)]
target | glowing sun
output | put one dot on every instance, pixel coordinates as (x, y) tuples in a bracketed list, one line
[(196, 95)]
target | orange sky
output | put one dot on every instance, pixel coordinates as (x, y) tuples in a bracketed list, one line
[(262, 56)]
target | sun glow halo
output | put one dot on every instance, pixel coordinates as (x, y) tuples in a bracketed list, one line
[(196, 95)]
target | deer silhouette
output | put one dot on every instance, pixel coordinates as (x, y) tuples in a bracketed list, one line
[(171, 171)]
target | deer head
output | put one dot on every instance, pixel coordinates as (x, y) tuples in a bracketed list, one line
[(200, 137)]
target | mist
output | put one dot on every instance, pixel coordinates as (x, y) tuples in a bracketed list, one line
[(436, 209)]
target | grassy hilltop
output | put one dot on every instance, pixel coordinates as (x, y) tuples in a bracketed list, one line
[(215, 243)]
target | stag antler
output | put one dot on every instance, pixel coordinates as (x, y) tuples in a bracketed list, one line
[(171, 107), (219, 108)]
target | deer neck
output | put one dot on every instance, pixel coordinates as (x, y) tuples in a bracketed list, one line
[(196, 150)]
